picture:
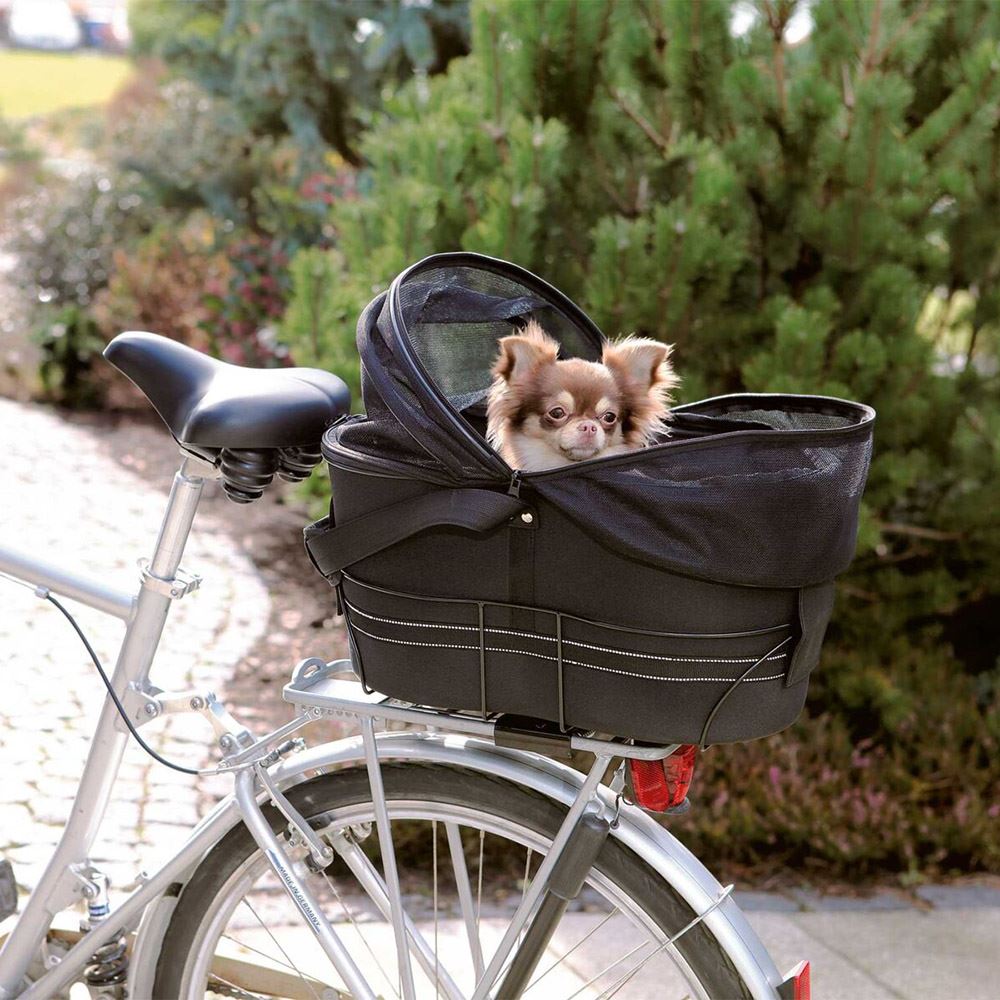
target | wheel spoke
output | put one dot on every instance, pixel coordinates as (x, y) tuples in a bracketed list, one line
[(619, 983), (524, 889), (277, 944), (383, 826), (618, 961), (562, 958), (434, 865), (479, 886), (533, 893), (367, 875), (223, 986), (364, 940), (257, 951), (278, 962), (464, 889)]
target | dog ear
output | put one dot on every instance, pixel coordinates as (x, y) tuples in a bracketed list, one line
[(642, 361), (523, 352)]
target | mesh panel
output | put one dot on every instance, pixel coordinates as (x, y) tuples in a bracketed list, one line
[(796, 421), (788, 413), (454, 317), (382, 436)]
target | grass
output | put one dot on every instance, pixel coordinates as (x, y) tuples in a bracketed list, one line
[(38, 83)]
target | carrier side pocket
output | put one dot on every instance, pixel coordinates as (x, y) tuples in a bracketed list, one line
[(815, 608)]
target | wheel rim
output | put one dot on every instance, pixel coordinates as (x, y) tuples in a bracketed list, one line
[(219, 914)]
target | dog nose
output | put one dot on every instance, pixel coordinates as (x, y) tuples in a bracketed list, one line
[(586, 428)]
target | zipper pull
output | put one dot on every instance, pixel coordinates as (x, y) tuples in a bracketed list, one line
[(514, 489)]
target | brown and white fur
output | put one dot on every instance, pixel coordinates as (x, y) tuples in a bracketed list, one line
[(544, 413)]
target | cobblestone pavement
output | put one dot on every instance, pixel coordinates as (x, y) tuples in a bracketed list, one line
[(64, 499)]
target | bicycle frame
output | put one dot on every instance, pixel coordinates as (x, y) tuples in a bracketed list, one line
[(65, 881)]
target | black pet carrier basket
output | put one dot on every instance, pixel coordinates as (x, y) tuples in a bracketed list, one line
[(678, 593)]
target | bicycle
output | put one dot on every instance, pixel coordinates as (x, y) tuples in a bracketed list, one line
[(302, 822)]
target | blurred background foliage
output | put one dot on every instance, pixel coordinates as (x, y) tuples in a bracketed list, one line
[(804, 209)]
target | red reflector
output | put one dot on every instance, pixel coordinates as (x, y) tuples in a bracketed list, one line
[(663, 784), (796, 985), (803, 988)]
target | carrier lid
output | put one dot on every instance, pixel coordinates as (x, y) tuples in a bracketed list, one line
[(427, 348), (754, 490)]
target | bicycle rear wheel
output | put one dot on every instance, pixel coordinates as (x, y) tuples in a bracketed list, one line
[(471, 825)]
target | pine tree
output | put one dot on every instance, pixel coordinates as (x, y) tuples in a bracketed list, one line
[(819, 217)]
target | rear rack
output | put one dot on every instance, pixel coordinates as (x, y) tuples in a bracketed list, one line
[(320, 689)]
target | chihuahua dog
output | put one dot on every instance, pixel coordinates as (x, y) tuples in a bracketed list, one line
[(544, 413)]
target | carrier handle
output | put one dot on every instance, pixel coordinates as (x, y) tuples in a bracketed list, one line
[(334, 547)]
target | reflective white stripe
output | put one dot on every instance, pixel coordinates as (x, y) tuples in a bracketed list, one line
[(574, 663), (566, 642)]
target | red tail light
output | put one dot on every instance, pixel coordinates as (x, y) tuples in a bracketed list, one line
[(661, 785)]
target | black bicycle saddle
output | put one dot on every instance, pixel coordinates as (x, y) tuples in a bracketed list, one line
[(209, 404)]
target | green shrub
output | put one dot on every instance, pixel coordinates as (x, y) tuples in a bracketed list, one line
[(159, 285), (186, 233), (191, 148), (309, 70), (321, 316), (69, 341), (63, 234), (787, 217), (15, 149)]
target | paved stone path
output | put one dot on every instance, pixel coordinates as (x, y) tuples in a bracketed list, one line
[(886, 948), (61, 498)]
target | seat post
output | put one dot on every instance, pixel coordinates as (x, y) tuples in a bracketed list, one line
[(182, 505)]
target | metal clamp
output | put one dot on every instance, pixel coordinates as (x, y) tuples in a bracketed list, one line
[(149, 702), (181, 584), (617, 785), (88, 880), (243, 755)]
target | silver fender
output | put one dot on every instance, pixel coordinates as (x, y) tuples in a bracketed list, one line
[(636, 830)]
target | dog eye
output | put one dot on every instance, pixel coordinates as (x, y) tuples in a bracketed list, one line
[(609, 418), (557, 413)]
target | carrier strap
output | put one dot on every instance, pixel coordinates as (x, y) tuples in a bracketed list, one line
[(333, 548), (815, 608)]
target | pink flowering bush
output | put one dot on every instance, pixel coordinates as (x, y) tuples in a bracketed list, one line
[(244, 305), (891, 786)]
